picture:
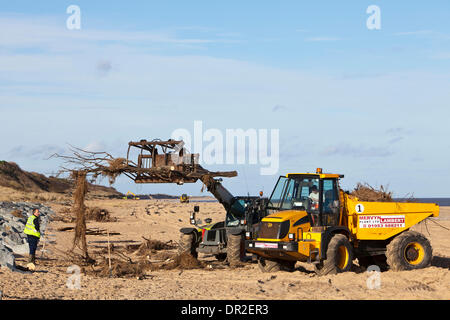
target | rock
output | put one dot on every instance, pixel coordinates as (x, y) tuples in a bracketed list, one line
[(21, 249), (7, 257)]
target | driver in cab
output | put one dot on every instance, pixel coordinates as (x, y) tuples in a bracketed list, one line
[(314, 196)]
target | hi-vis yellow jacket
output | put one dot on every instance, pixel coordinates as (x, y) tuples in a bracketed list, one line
[(30, 228)]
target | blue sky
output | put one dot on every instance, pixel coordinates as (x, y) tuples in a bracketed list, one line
[(371, 104)]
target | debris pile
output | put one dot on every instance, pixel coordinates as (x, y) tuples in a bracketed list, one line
[(365, 192), (158, 162), (13, 217), (99, 215), (123, 269), (134, 261), (150, 246), (184, 261), (92, 214)]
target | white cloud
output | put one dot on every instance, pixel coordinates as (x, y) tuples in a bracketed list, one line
[(95, 146)]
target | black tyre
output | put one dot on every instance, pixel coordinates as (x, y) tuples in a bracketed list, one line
[(408, 251), (267, 265), (339, 256), (234, 249), (187, 245)]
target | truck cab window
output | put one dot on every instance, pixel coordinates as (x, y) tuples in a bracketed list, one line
[(330, 206)]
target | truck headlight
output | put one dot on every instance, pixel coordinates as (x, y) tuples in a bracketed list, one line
[(291, 236)]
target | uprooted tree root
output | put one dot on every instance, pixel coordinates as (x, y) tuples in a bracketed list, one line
[(135, 260), (104, 165), (79, 209), (99, 215), (183, 261), (365, 192), (121, 268), (150, 246)]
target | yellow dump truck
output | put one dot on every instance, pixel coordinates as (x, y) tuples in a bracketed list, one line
[(184, 198), (312, 220)]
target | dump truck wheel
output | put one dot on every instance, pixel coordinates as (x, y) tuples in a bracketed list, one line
[(187, 245), (267, 265), (234, 249), (339, 256), (409, 250)]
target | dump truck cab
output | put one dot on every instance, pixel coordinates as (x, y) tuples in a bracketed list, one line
[(303, 208), (312, 220), (316, 194)]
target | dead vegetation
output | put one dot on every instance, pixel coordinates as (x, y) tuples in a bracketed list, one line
[(93, 165), (122, 269), (135, 261), (183, 261), (104, 165), (150, 246), (79, 209), (365, 192), (96, 164), (99, 215)]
